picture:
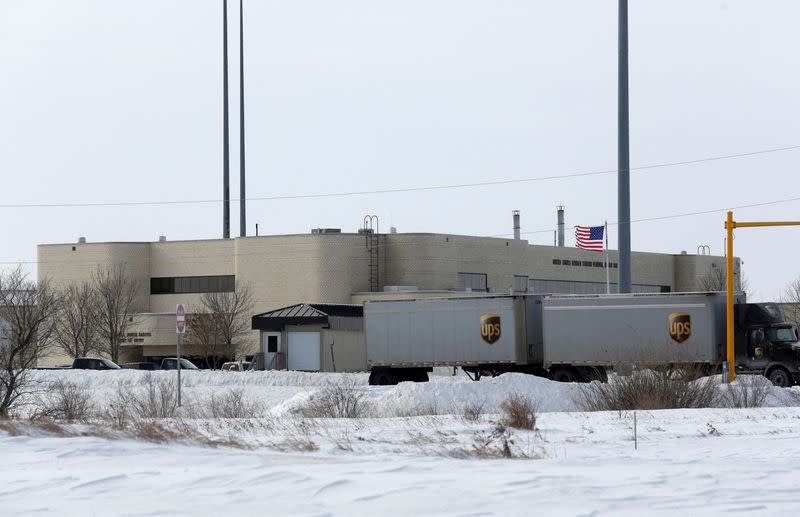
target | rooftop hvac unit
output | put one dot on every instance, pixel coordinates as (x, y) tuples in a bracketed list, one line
[(325, 231)]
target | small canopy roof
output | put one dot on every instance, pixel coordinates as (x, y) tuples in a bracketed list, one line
[(305, 314)]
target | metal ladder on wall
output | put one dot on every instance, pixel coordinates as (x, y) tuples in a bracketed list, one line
[(372, 233)]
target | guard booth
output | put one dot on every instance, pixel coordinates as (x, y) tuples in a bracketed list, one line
[(312, 337)]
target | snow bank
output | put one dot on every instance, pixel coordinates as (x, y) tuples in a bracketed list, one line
[(281, 392), (191, 378), (452, 395)]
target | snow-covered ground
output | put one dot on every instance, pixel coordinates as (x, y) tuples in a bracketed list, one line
[(414, 454)]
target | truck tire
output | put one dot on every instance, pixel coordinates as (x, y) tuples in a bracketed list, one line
[(381, 378), (563, 374), (780, 377)]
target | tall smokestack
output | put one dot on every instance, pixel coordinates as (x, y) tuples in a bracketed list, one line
[(242, 198), (560, 226), (515, 214), (226, 187)]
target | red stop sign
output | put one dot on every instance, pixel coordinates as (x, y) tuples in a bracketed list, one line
[(180, 319)]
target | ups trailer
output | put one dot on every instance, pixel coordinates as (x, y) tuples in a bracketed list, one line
[(574, 338)]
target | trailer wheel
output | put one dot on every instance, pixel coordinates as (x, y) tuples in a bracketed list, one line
[(563, 375), (780, 377), (381, 378)]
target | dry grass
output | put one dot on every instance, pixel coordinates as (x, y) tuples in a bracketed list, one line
[(648, 389), (10, 427), (340, 400), (519, 412)]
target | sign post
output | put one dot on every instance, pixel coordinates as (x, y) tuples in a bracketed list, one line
[(180, 328), (730, 225)]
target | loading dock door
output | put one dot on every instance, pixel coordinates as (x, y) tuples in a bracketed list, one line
[(303, 351)]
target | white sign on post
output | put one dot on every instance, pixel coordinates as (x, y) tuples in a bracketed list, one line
[(180, 328), (180, 319)]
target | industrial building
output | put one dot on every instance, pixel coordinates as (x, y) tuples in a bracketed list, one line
[(328, 266)]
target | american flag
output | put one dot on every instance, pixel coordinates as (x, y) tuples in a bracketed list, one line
[(589, 237)]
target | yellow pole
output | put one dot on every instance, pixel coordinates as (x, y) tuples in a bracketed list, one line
[(729, 224)]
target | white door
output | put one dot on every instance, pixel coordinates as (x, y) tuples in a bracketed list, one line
[(270, 347), (302, 351)]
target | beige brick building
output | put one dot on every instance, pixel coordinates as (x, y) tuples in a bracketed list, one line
[(332, 267)]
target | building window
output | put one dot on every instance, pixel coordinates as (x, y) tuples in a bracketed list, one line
[(193, 284), (598, 264), (521, 283), (472, 282), (576, 262), (587, 263), (556, 262)]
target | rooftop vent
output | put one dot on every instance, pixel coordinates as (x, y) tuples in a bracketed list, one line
[(162, 238), (81, 240), (325, 231)]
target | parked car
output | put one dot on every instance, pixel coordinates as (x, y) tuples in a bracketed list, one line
[(141, 366), (171, 363), (236, 366), (94, 363)]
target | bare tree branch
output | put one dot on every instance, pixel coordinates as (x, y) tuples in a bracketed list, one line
[(116, 294), (716, 279), (201, 331), (27, 324), (791, 297), (223, 325), (77, 321)]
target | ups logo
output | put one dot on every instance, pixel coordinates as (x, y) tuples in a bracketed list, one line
[(490, 328), (680, 326)]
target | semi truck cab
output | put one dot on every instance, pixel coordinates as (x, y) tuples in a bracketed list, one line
[(767, 344)]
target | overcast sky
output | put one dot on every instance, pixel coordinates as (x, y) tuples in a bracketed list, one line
[(120, 101)]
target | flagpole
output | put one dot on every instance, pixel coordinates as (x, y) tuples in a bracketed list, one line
[(608, 283)]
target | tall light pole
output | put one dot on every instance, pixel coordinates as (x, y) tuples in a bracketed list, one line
[(623, 156), (226, 187), (242, 198)]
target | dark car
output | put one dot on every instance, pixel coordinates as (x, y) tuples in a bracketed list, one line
[(141, 366), (94, 363), (171, 363)]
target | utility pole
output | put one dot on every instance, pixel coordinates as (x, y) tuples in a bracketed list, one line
[(623, 156), (226, 187), (242, 198)]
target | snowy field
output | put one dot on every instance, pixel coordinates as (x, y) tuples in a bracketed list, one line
[(414, 453)]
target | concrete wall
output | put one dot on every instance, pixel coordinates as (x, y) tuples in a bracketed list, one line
[(433, 261), (73, 263)]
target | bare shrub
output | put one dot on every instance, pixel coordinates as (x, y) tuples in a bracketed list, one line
[(747, 391), (518, 412), (473, 411), (153, 431), (66, 401), (660, 388), (233, 404), (340, 400)]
